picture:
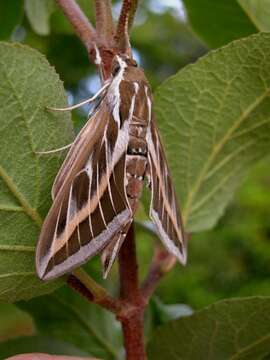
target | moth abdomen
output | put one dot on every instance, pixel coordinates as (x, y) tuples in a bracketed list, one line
[(136, 166), (137, 146), (135, 173)]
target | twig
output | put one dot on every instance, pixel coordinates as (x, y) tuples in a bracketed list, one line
[(104, 20), (80, 281), (131, 316), (162, 263), (82, 26), (132, 13), (128, 268), (125, 21)]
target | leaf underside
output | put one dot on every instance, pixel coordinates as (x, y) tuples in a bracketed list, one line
[(214, 117), (219, 22), (258, 11), (27, 85), (236, 329), (67, 317)]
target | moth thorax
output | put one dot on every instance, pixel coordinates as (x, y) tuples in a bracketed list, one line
[(138, 131)]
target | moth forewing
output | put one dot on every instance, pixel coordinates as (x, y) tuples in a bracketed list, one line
[(164, 208), (65, 241), (81, 147), (111, 251)]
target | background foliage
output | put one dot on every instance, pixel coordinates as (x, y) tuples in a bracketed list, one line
[(231, 260)]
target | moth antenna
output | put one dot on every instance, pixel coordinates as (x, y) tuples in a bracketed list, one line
[(69, 108), (54, 151)]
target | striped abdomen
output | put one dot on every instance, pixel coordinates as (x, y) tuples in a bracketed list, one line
[(136, 162)]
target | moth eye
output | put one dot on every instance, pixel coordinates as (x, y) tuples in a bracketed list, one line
[(132, 62), (115, 69)]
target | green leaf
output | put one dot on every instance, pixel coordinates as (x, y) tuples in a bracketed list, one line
[(218, 22), (11, 13), (215, 120), (14, 322), (258, 11), (38, 344), (27, 85), (165, 312), (65, 316), (38, 13), (230, 329), (158, 313)]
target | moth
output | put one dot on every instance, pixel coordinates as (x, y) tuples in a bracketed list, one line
[(98, 187)]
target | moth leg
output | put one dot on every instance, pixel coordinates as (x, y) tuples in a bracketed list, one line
[(91, 99), (55, 150), (111, 251)]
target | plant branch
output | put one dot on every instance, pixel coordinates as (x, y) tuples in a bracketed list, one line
[(80, 281), (104, 19), (161, 264), (82, 26), (132, 13), (131, 316), (125, 22), (128, 268)]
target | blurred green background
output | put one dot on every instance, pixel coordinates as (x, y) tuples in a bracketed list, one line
[(231, 260)]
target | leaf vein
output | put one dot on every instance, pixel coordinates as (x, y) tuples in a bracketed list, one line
[(216, 150), (19, 248), (31, 143), (32, 213)]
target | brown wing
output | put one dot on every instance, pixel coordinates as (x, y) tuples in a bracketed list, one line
[(111, 251), (164, 209), (89, 134), (90, 205)]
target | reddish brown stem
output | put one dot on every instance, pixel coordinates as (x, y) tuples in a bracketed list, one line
[(132, 13), (104, 19), (127, 14), (128, 268), (125, 21), (79, 21), (131, 316), (132, 328), (162, 263), (96, 295)]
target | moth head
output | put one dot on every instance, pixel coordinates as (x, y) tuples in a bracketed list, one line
[(122, 62)]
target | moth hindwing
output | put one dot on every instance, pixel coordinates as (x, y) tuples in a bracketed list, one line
[(97, 189)]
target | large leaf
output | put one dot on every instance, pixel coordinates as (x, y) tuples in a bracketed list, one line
[(27, 85), (38, 13), (14, 322), (11, 13), (258, 11), (66, 316), (230, 329), (158, 313), (215, 120), (38, 344), (218, 22)]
